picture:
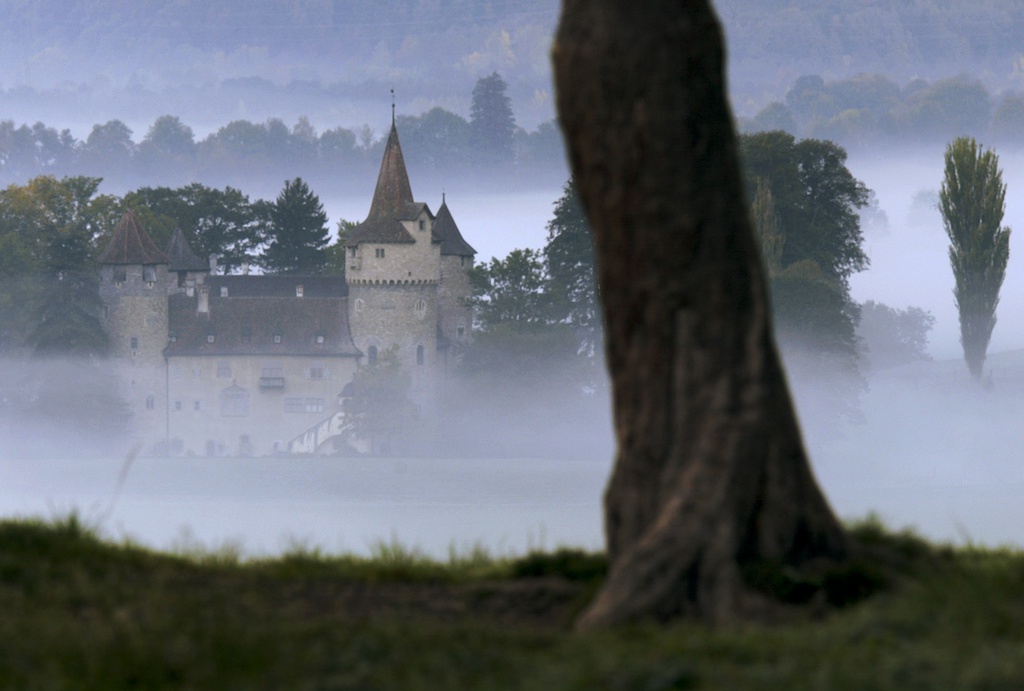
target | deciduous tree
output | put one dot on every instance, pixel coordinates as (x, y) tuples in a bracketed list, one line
[(972, 201), (711, 473)]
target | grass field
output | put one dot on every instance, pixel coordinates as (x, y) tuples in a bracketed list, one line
[(78, 612)]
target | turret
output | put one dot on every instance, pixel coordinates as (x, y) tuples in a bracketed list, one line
[(133, 287), (393, 273), (455, 317), (186, 268)]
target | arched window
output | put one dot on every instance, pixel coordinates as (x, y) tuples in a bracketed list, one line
[(371, 353), (419, 355)]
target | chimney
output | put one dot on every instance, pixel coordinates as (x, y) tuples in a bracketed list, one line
[(299, 290), (213, 264), (204, 299)]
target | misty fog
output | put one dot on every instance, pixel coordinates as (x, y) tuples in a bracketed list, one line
[(928, 448)]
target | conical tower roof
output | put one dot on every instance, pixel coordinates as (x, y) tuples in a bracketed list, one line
[(393, 192), (181, 255), (131, 244), (392, 200), (452, 242)]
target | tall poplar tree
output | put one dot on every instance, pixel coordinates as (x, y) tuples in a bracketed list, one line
[(298, 232), (972, 201)]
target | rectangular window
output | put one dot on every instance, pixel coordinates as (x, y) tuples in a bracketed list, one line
[(379, 253), (314, 405), (294, 405), (135, 342), (150, 403), (197, 373), (271, 377), (423, 225), (197, 406), (149, 274), (223, 370)]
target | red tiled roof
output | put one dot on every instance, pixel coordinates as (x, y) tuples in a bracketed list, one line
[(131, 244), (392, 200)]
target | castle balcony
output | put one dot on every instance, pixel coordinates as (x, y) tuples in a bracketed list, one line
[(271, 383)]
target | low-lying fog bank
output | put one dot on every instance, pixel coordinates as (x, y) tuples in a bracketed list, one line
[(267, 505), (934, 451)]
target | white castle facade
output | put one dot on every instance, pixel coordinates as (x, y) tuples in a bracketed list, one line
[(255, 365)]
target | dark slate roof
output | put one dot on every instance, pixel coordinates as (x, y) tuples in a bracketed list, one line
[(451, 239), (278, 286), (181, 255), (246, 326), (131, 244), (392, 200)]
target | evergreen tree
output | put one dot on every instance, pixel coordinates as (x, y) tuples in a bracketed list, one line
[(298, 232), (492, 124), (972, 201), (569, 258)]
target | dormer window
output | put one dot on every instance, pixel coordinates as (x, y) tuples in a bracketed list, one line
[(319, 339), (223, 291), (277, 338), (210, 338), (299, 290)]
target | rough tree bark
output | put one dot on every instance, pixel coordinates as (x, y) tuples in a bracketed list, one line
[(711, 471)]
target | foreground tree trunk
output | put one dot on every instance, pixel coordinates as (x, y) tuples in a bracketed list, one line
[(711, 471)]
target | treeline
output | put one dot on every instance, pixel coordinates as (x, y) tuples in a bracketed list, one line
[(872, 110), (248, 153), (771, 42)]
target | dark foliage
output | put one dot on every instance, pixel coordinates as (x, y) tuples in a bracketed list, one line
[(491, 121), (298, 232)]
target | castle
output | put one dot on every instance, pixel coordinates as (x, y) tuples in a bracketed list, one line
[(253, 365)]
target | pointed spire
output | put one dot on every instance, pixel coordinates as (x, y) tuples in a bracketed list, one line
[(452, 242), (181, 255), (131, 244), (393, 192)]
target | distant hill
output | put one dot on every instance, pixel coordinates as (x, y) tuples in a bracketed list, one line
[(89, 61), (772, 42)]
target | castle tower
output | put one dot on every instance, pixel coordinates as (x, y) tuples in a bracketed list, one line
[(133, 287), (393, 273), (455, 317)]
